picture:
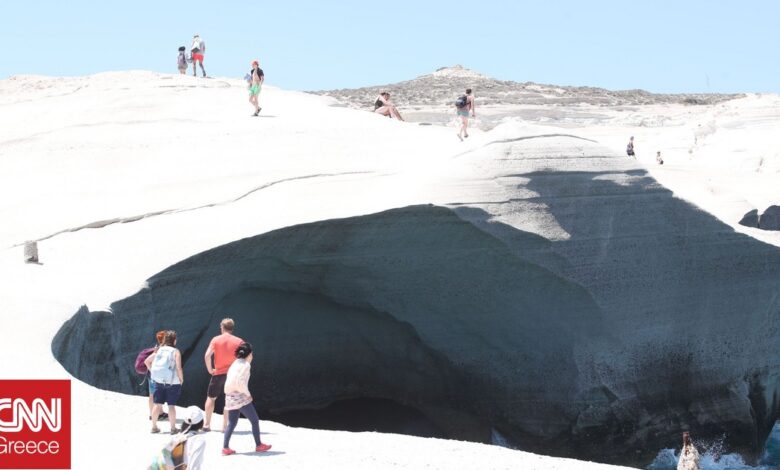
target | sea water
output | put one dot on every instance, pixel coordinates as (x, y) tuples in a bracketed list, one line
[(713, 458)]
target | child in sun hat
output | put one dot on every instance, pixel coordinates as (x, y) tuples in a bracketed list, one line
[(186, 449)]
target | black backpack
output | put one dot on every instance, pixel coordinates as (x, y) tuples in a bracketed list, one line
[(461, 102)]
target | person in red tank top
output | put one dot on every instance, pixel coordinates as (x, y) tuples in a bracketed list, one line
[(222, 349)]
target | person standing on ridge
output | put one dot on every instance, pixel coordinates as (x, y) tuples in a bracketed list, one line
[(630, 147), (222, 349), (238, 400), (198, 51), (463, 106), (181, 60), (689, 456), (256, 79)]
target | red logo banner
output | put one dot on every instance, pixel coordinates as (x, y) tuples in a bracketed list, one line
[(35, 424)]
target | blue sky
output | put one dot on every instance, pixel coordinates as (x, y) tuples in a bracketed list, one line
[(658, 45)]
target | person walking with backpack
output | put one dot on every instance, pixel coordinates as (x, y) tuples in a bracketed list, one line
[(238, 400), (168, 377), (221, 350), (464, 105), (141, 360), (198, 51)]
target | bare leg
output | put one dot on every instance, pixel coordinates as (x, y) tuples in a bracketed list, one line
[(209, 409), (395, 113), (171, 416), (384, 111), (194, 68), (202, 69), (156, 409), (151, 404), (464, 122), (224, 420)]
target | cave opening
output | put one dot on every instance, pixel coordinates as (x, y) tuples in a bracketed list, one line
[(363, 414)]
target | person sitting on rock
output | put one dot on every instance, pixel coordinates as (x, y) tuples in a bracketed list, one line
[(689, 456), (385, 107)]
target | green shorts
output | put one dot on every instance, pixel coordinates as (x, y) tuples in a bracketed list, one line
[(254, 90)]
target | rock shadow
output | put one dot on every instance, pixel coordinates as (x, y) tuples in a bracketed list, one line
[(695, 304), (412, 306)]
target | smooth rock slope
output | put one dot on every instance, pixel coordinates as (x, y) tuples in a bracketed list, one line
[(532, 282)]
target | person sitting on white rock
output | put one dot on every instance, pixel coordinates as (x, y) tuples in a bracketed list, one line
[(385, 107)]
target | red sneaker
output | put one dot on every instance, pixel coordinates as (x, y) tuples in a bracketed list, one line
[(262, 448), (227, 451)]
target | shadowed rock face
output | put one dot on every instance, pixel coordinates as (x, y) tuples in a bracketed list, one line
[(412, 305), (769, 220), (650, 317), (750, 219), (694, 306)]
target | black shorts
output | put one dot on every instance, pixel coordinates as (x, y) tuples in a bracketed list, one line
[(216, 386)]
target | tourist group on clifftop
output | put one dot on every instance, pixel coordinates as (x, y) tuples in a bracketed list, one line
[(196, 56), (228, 361)]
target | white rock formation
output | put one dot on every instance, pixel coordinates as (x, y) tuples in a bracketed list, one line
[(554, 278)]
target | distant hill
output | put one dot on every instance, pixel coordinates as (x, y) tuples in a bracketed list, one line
[(441, 87)]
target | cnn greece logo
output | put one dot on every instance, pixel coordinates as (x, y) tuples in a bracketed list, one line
[(34, 424)]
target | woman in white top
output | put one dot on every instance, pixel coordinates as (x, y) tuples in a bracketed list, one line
[(239, 400), (168, 377), (689, 456)]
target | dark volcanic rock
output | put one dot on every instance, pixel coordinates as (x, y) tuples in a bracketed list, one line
[(625, 317), (413, 305), (770, 219), (750, 219)]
